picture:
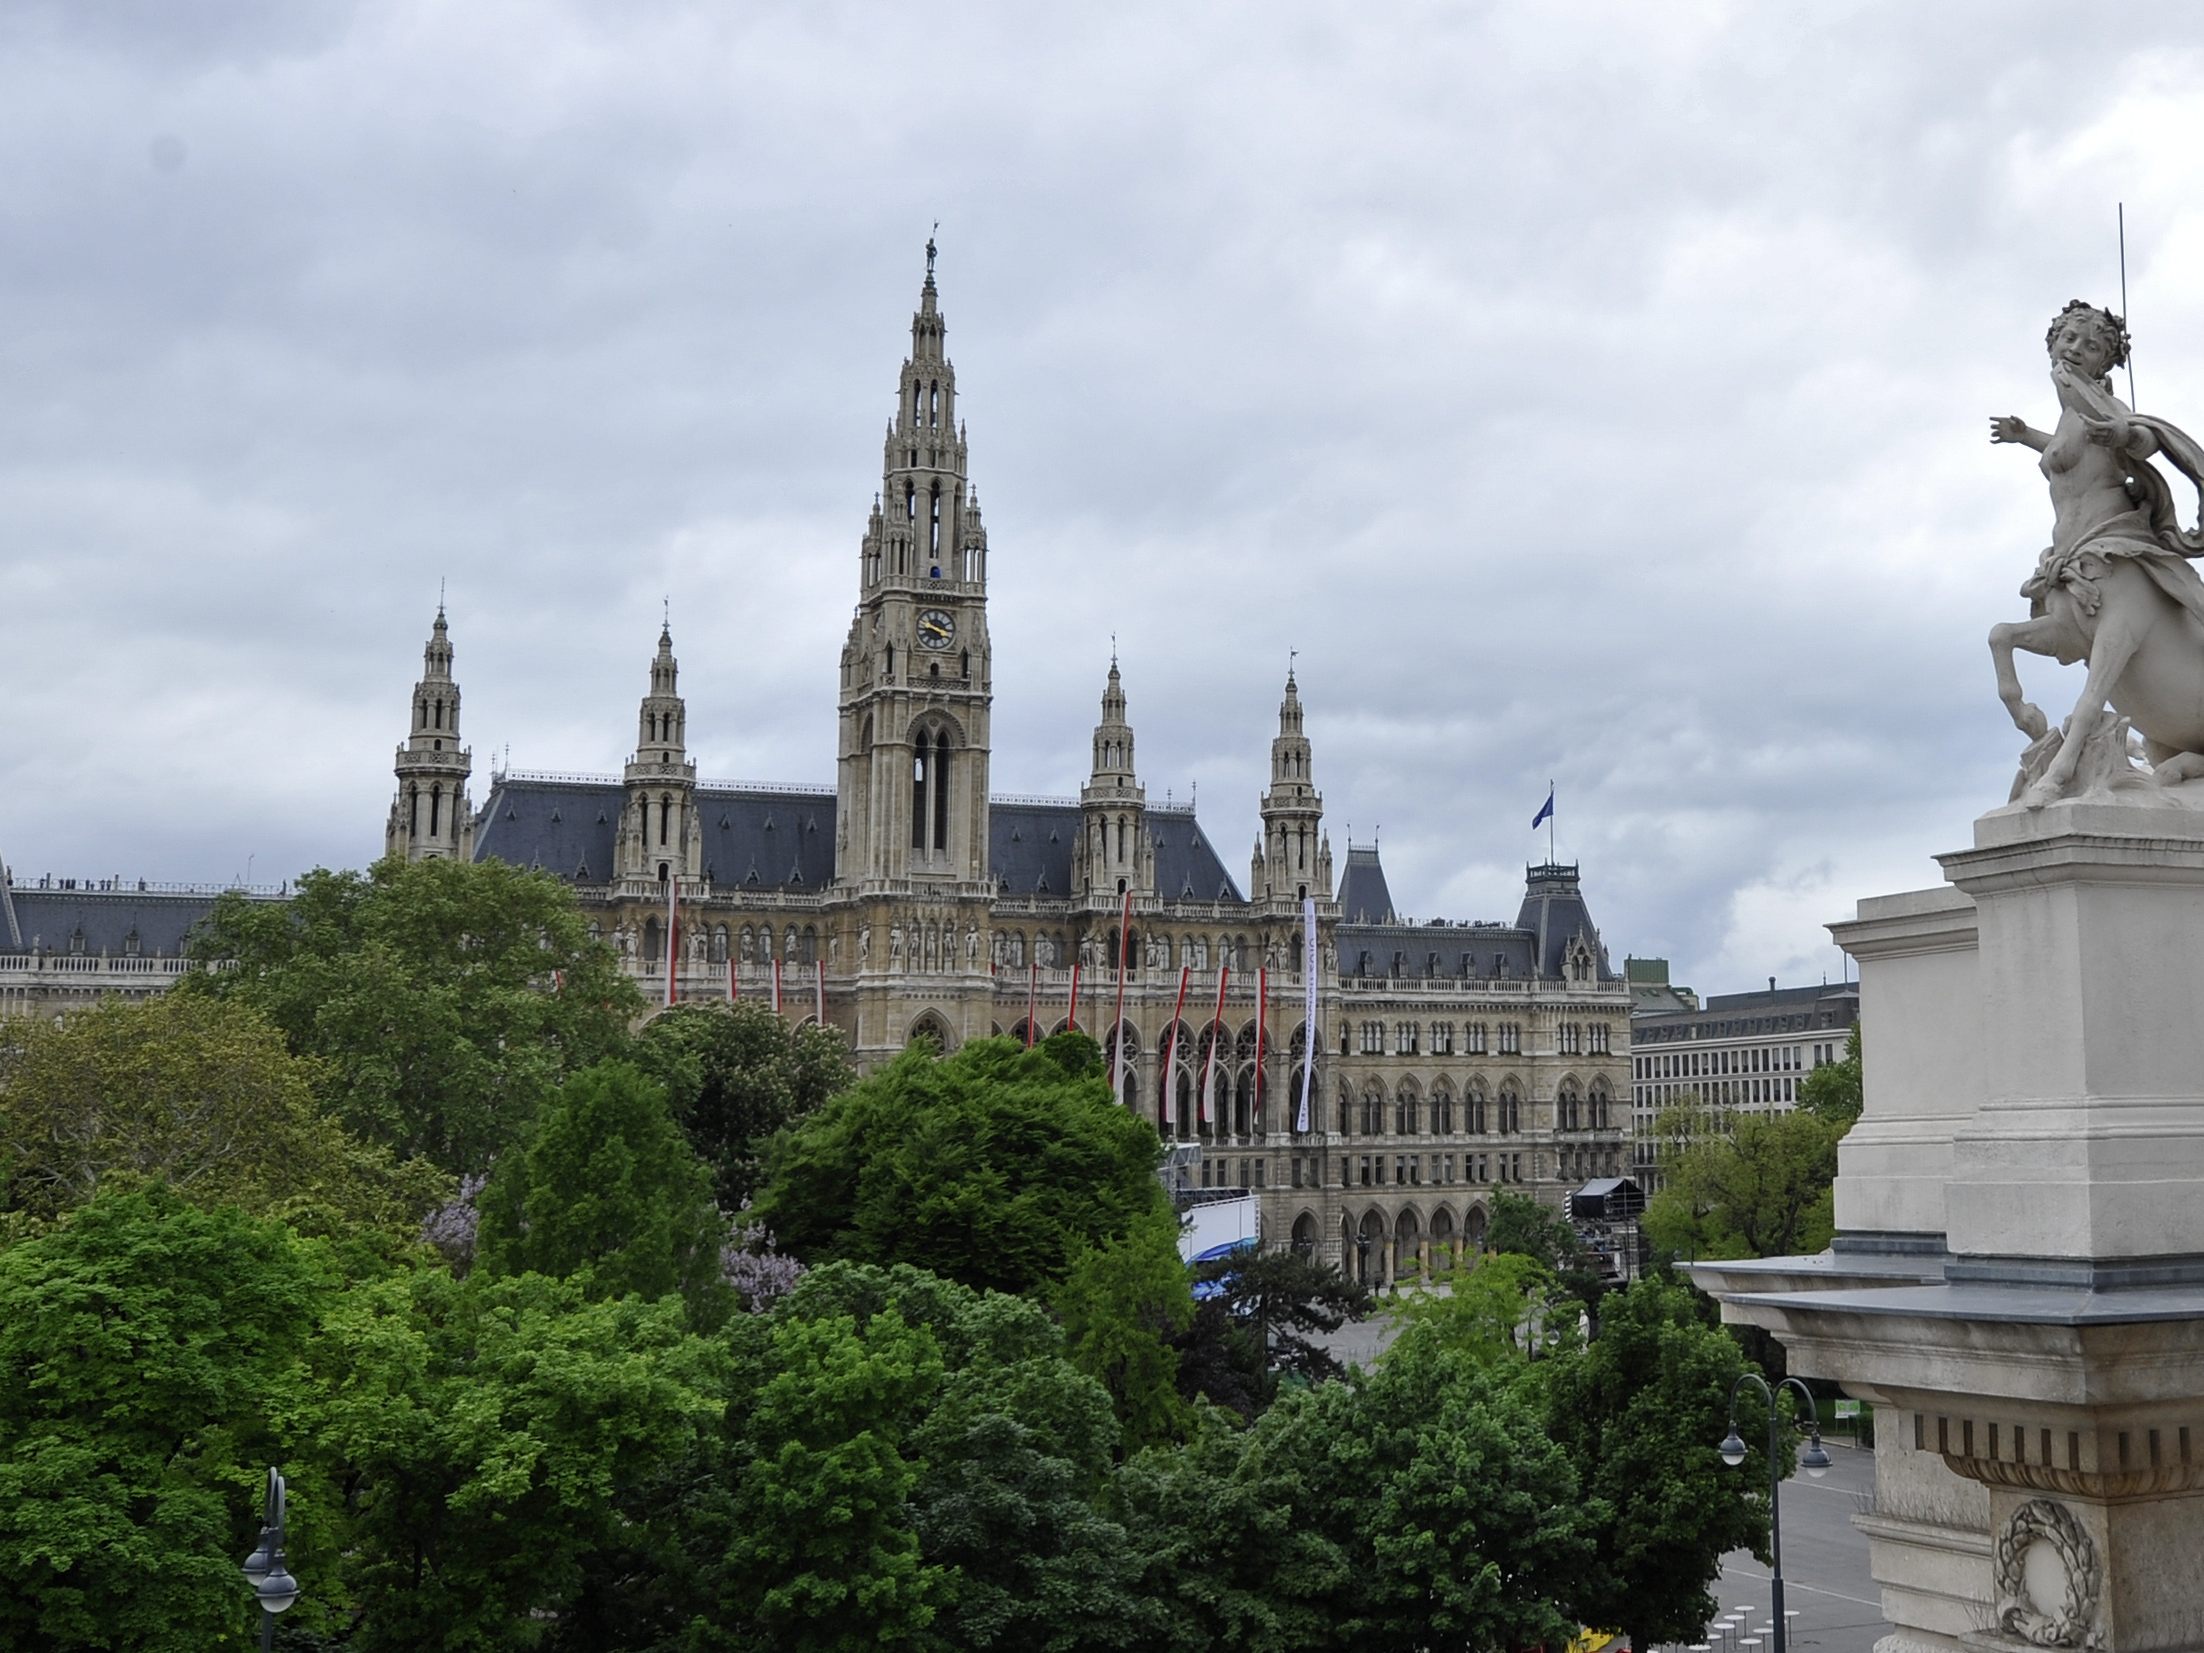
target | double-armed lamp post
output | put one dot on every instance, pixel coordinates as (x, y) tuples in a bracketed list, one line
[(1815, 1461), (264, 1569)]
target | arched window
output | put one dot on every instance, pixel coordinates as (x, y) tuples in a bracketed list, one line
[(921, 766), (1373, 1109), (665, 817), (941, 792), (436, 810)]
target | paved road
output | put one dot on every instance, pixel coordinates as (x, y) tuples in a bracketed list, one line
[(1826, 1581)]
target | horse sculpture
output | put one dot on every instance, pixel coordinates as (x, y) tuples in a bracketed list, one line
[(2115, 588)]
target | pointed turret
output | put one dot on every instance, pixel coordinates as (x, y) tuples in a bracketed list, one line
[(1115, 853), (431, 818), (1294, 858), (660, 831)]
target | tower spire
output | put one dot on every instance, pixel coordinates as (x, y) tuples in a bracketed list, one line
[(431, 818), (1294, 858), (1115, 851), (660, 833)]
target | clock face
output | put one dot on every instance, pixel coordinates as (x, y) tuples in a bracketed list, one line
[(937, 628)]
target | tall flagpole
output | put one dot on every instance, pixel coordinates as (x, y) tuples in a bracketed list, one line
[(1549, 821), (673, 932), (1117, 1025), (2123, 306)]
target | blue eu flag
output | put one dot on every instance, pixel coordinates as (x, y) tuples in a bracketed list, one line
[(1545, 809)]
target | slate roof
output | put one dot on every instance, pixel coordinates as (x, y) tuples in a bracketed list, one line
[(1029, 852), (782, 839), (1553, 914), (1463, 951), (1832, 1005), (51, 919), (1363, 895)]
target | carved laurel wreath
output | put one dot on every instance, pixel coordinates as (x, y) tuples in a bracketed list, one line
[(2073, 1625)]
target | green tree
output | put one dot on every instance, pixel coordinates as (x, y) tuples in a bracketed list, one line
[(608, 1192), (1832, 1092), (196, 1094), (1759, 1188), (1235, 1542), (1421, 1505), (946, 1498), (1639, 1410), (734, 1075), (443, 1000), (988, 1166), (150, 1356), (497, 1441), (1508, 1308), (1262, 1323), (1523, 1227), (1122, 1301)]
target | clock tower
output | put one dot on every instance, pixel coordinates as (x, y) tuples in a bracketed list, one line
[(911, 787)]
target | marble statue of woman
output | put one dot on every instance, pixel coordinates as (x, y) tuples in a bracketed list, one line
[(2114, 588)]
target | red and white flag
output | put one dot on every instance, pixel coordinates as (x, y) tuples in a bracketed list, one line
[(1071, 1013), (1308, 1007), (1171, 1053), (1262, 1005), (1216, 1033), (733, 991), (1032, 994)]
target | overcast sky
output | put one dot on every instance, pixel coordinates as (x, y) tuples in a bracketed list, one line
[(1594, 393)]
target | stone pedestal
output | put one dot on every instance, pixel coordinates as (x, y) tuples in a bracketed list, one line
[(2018, 1281)]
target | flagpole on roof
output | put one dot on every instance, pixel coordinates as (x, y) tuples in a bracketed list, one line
[(1549, 821)]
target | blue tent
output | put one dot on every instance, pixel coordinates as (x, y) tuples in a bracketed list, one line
[(1204, 1290)]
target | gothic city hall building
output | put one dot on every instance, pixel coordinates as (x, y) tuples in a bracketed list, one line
[(909, 900)]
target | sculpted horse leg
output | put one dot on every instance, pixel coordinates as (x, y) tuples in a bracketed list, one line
[(2127, 611), (2044, 635)]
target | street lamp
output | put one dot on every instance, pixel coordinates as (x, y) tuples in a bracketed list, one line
[(264, 1570), (1815, 1461), (1362, 1259)]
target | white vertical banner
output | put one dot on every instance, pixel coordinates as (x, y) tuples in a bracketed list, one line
[(1308, 1007), (673, 933), (819, 991)]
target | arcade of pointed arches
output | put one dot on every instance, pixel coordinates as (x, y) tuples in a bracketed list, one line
[(1377, 1246)]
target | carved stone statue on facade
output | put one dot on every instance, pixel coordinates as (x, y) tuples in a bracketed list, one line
[(2115, 588), (971, 944), (864, 943), (895, 944)]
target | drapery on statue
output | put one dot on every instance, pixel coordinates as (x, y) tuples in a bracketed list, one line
[(2115, 588)]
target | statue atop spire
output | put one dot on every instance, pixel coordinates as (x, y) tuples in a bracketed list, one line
[(930, 255)]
